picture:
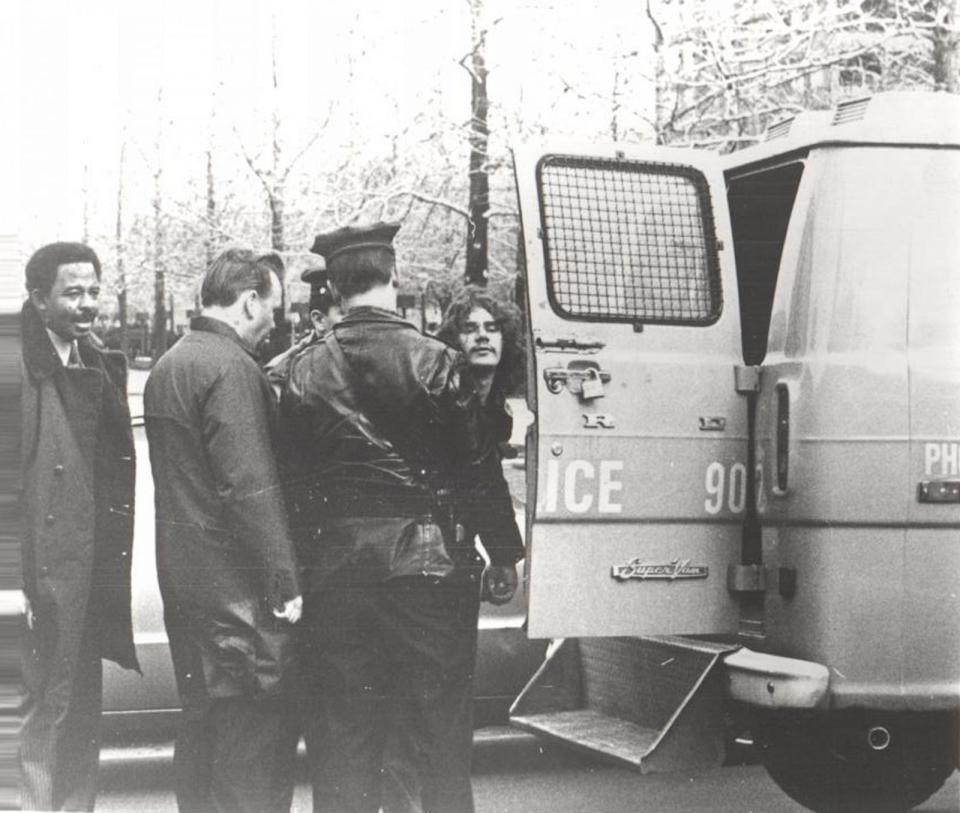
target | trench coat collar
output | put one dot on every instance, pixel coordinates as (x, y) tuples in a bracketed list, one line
[(39, 355), (207, 324)]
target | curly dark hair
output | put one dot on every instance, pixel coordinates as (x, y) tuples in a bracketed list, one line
[(509, 375)]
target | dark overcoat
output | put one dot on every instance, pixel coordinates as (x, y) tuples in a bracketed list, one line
[(78, 476), (224, 555)]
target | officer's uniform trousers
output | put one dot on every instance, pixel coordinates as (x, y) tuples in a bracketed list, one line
[(397, 653)]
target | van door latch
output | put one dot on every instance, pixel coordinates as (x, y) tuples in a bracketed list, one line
[(712, 423), (746, 378), (568, 345), (746, 578), (574, 375)]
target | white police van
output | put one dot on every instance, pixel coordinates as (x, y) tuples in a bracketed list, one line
[(744, 472)]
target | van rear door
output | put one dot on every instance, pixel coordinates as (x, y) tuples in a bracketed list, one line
[(638, 456)]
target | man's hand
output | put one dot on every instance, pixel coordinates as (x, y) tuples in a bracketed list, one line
[(291, 611), (499, 583)]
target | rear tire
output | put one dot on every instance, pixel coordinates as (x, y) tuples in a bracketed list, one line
[(825, 762)]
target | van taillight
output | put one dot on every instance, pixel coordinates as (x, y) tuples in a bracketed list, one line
[(783, 436)]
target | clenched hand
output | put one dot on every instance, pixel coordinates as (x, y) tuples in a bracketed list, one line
[(291, 610)]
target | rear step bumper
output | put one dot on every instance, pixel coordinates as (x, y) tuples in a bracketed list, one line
[(771, 681), (657, 703)]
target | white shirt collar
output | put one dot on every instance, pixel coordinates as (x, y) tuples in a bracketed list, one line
[(61, 345)]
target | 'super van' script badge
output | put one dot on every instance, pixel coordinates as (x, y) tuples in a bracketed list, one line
[(671, 571)]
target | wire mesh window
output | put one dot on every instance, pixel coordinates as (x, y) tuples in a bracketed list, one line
[(629, 241)]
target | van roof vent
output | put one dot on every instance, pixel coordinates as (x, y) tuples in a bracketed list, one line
[(853, 110), (780, 129)]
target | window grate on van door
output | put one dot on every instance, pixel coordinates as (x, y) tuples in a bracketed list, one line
[(629, 241)]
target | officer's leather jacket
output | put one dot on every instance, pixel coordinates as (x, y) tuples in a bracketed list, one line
[(385, 423)]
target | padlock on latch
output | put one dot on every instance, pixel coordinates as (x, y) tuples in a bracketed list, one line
[(592, 387)]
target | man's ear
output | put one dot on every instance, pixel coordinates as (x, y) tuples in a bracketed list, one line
[(38, 300), (247, 299)]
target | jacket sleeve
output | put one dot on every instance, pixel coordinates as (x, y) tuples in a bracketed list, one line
[(482, 495), (238, 441)]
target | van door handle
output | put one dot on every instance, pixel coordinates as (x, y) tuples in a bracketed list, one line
[(573, 376)]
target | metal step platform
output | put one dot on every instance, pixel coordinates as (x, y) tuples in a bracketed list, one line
[(654, 703)]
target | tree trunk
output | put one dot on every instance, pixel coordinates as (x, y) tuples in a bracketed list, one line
[(86, 203), (208, 253), (661, 115), (121, 271), (479, 202), (159, 338), (615, 102), (275, 201), (945, 43), (275, 192)]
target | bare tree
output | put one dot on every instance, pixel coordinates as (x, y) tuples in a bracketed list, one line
[(86, 202), (729, 71), (211, 191), (119, 248), (479, 195), (945, 38), (273, 178), (159, 338)]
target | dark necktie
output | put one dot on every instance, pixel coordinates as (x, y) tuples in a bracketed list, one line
[(74, 360)]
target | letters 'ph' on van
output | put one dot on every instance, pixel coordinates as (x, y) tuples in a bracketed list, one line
[(941, 459)]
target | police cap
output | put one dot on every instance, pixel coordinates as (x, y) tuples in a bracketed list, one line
[(321, 298), (373, 243), (315, 273)]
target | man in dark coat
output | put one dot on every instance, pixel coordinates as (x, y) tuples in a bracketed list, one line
[(387, 452), (225, 559), (77, 531)]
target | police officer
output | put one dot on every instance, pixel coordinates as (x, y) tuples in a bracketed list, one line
[(324, 313), (384, 432)]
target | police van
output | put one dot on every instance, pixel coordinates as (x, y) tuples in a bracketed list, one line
[(744, 473)]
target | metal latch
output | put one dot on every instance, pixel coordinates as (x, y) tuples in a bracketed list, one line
[(746, 578), (574, 375), (568, 345), (746, 378)]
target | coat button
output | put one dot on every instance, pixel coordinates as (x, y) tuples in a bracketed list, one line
[(44, 570), (58, 469), (49, 519)]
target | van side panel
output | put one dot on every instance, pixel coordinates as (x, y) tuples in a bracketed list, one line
[(856, 585), (932, 556)]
